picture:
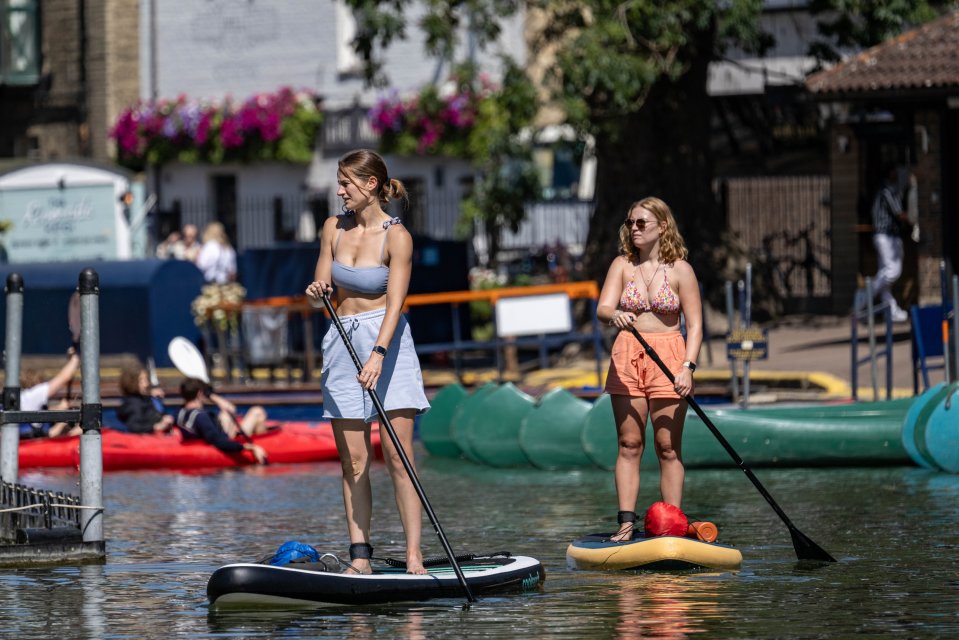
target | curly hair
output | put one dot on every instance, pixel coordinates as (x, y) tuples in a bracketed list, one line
[(672, 247)]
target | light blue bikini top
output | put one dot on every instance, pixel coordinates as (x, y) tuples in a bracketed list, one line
[(368, 280)]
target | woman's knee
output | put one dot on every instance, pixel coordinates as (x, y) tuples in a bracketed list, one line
[(354, 465), (667, 453), (631, 448), (394, 460)]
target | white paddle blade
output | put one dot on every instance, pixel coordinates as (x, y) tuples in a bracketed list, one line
[(187, 359)]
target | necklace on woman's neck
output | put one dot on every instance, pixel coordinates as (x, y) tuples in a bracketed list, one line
[(651, 276)]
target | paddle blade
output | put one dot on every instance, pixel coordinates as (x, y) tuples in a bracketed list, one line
[(187, 359), (73, 316), (806, 549), (152, 372)]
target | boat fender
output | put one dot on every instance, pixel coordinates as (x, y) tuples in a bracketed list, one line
[(664, 519), (294, 551)]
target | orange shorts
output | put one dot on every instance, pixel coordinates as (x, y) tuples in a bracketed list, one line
[(633, 373)]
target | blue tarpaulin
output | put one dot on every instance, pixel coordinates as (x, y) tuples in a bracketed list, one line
[(143, 305)]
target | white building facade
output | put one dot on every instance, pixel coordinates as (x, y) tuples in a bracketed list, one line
[(215, 49)]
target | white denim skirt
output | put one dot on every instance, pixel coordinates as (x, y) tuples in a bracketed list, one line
[(400, 385)]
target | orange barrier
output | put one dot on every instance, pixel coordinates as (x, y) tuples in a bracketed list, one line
[(301, 306), (575, 290)]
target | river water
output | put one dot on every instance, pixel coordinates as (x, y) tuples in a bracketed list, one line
[(894, 530)]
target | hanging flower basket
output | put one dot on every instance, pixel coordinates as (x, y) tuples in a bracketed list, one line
[(435, 121), (278, 126)]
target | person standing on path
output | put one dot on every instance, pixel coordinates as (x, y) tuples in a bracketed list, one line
[(647, 287), (368, 256), (888, 217)]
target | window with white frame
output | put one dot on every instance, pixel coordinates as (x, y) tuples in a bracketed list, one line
[(347, 61)]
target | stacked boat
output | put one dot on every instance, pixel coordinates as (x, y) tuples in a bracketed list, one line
[(500, 425)]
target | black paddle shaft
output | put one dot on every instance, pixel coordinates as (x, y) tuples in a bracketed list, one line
[(806, 549), (402, 454)]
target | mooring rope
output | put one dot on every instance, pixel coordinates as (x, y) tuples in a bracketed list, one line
[(52, 504)]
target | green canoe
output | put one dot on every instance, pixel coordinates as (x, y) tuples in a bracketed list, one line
[(492, 428), (465, 413), (808, 435), (550, 435), (434, 425)]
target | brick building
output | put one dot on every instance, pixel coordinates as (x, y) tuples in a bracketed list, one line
[(897, 102), (67, 67)]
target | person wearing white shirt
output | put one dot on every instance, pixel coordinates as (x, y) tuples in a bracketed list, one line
[(217, 259), (35, 395)]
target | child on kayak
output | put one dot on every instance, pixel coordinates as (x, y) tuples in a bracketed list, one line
[(141, 410), (196, 423)]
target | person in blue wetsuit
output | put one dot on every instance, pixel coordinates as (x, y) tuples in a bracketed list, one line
[(368, 256), (195, 423)]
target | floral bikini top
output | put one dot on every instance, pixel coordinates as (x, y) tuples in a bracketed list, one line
[(664, 301)]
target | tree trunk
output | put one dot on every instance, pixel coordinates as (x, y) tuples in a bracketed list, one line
[(663, 151)]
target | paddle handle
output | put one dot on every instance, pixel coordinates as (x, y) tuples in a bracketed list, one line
[(799, 539), (384, 419)]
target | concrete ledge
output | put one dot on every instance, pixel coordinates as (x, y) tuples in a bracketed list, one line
[(52, 553)]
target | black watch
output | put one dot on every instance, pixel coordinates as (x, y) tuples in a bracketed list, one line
[(690, 365), (380, 350)]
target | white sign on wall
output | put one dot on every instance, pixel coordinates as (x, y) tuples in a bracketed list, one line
[(533, 315), (53, 212)]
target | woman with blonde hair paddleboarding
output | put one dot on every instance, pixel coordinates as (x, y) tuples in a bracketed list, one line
[(647, 287)]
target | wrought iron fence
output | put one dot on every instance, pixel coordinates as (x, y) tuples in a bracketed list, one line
[(263, 221)]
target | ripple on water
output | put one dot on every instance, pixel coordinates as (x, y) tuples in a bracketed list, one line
[(892, 529)]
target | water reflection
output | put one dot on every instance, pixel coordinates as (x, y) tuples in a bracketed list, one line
[(894, 531), (665, 606), (356, 623)]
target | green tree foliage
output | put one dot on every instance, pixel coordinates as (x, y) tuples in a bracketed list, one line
[(633, 74), (853, 24)]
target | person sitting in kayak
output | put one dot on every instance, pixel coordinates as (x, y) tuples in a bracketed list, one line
[(141, 410), (36, 393), (196, 423)]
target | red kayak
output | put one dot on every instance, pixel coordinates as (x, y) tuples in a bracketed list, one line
[(287, 442)]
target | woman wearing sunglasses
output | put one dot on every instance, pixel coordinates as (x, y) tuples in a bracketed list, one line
[(647, 287)]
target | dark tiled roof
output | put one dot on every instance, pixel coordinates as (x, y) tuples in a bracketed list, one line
[(922, 59)]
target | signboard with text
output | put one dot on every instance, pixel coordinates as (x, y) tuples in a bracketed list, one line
[(747, 344), (54, 224)]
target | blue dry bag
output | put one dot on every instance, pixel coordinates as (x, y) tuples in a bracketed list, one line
[(293, 551)]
